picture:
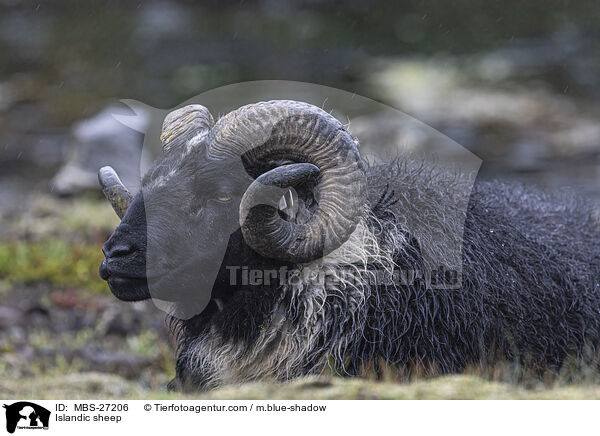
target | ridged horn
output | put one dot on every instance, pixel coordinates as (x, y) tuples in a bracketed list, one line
[(294, 132), (183, 124), (115, 192)]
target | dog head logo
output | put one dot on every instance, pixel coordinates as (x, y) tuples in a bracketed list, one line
[(26, 415)]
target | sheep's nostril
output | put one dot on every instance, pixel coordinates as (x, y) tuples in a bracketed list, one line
[(118, 251)]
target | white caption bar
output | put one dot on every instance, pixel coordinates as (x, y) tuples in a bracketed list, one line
[(169, 417)]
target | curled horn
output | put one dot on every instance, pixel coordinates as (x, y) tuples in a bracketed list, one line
[(299, 133), (115, 192), (182, 125)]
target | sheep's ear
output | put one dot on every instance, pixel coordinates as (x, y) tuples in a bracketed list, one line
[(183, 125)]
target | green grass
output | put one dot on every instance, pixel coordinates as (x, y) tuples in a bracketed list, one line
[(56, 241), (57, 262)]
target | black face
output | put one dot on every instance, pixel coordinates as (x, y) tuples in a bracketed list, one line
[(124, 266), (171, 243)]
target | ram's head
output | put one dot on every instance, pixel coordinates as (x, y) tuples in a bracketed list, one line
[(278, 180)]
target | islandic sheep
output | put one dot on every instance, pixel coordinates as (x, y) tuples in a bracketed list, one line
[(282, 253)]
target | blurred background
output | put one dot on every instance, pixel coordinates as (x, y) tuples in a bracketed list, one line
[(517, 83)]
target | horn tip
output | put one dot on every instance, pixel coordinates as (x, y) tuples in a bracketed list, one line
[(105, 169), (105, 174), (114, 190)]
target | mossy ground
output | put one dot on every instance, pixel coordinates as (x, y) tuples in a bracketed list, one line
[(54, 261), (57, 242), (91, 385)]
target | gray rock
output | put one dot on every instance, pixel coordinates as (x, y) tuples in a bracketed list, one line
[(10, 317), (99, 141)]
